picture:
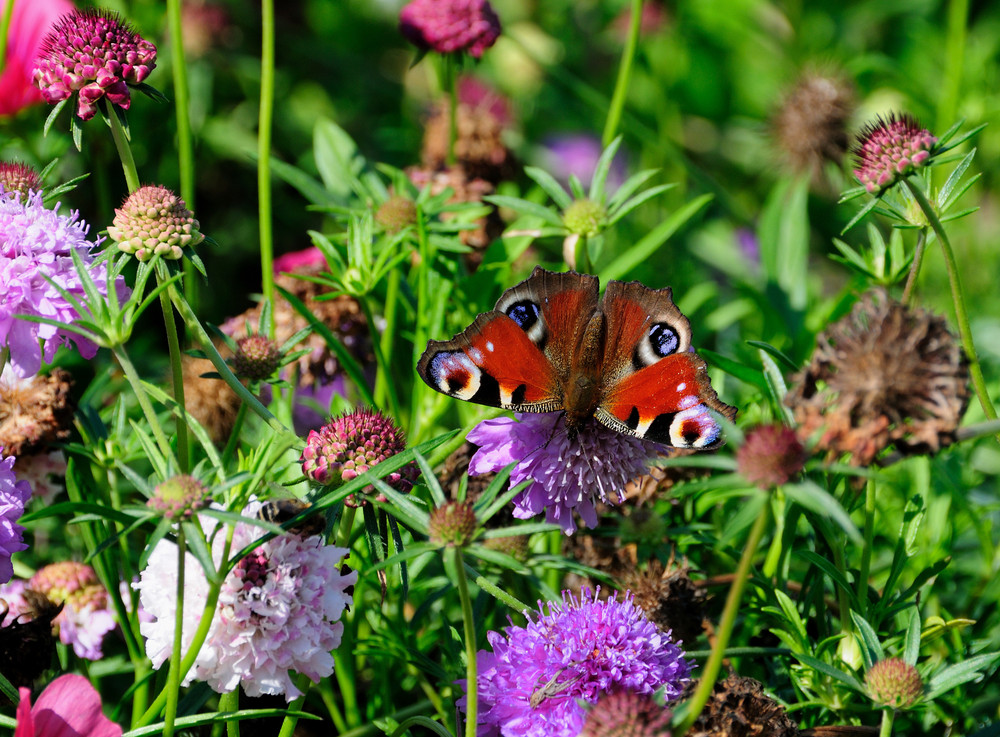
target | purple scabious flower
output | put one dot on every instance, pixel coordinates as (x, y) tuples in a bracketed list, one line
[(450, 26), (36, 245), (532, 684), (567, 473), (278, 611), (14, 495), (94, 54), (577, 155)]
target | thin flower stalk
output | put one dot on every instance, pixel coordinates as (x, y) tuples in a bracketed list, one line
[(135, 381), (866, 549), (264, 126), (885, 727), (613, 120), (176, 370), (961, 316), (693, 708), (124, 151), (174, 674), (469, 627)]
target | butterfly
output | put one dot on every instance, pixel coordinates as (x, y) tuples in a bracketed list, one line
[(552, 344)]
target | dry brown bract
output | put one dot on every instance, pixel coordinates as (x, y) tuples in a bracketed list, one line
[(811, 125), (669, 598), (885, 374), (739, 707), (34, 412)]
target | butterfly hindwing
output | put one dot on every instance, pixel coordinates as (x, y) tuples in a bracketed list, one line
[(493, 362), (667, 402)]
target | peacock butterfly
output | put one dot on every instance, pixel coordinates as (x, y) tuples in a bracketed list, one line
[(551, 344)]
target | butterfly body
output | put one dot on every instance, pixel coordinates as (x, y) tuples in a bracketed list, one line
[(551, 344)]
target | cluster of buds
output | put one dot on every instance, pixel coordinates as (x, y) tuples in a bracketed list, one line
[(153, 221), (891, 149), (179, 497), (94, 54)]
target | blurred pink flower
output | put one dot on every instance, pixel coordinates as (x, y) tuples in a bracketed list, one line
[(299, 260), (28, 25), (68, 707)]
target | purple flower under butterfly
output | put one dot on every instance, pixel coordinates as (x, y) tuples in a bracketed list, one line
[(534, 680), (567, 473)]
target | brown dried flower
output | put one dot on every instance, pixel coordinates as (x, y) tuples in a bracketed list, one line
[(210, 401), (739, 707), (479, 147), (34, 412), (811, 125), (669, 598), (885, 374)]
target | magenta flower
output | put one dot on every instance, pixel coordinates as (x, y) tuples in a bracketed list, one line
[(450, 26), (14, 495), (890, 149), (297, 261), (532, 684), (278, 611), (29, 23), (576, 155), (568, 474), (35, 245), (94, 54), (68, 707)]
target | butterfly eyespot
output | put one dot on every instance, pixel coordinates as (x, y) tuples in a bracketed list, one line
[(455, 374), (527, 315), (694, 428), (661, 341)]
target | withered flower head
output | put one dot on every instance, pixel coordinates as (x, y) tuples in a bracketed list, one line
[(885, 374), (209, 400), (34, 412), (669, 598), (811, 125), (739, 707)]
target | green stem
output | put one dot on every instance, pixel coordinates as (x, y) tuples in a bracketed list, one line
[(866, 550), (450, 75), (885, 730), (289, 723), (264, 125), (8, 12), (230, 702), (955, 49), (173, 689), (185, 145), (471, 666), (624, 76), (234, 435), (399, 716), (706, 683), (385, 388), (918, 259), (775, 550), (386, 340), (124, 150), (135, 381), (961, 316), (346, 526), (176, 370), (581, 255)]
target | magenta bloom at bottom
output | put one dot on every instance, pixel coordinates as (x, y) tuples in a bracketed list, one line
[(68, 707), (534, 681)]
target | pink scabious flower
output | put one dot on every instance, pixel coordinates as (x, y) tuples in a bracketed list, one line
[(29, 23), (68, 707), (36, 245), (568, 474), (450, 26), (93, 53), (890, 149), (86, 617), (278, 611), (573, 651), (14, 495)]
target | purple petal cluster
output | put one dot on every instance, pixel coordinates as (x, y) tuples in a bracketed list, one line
[(35, 245), (14, 495), (93, 53), (450, 26), (889, 150), (567, 473), (573, 651)]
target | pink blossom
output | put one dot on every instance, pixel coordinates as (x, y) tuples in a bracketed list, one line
[(68, 707), (29, 23)]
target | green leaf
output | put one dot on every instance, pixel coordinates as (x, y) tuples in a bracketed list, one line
[(953, 179), (818, 500), (741, 371), (648, 244), (970, 669), (911, 646), (828, 670), (793, 618), (872, 651), (550, 186), (601, 170), (337, 158), (775, 353), (832, 572), (526, 207), (784, 238), (638, 200)]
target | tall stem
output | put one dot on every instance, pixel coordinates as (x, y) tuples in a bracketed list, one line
[(135, 381), (885, 730), (471, 666), (174, 675), (176, 370), (624, 75), (124, 150), (961, 316), (185, 145), (866, 550), (451, 89), (918, 260), (708, 676), (264, 123)]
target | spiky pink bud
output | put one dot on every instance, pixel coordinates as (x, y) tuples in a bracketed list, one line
[(627, 714), (890, 149), (770, 456), (894, 682), (154, 221), (17, 177), (350, 445), (179, 497), (96, 54), (450, 26)]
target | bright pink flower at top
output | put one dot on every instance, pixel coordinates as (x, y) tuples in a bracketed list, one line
[(28, 25), (68, 707)]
